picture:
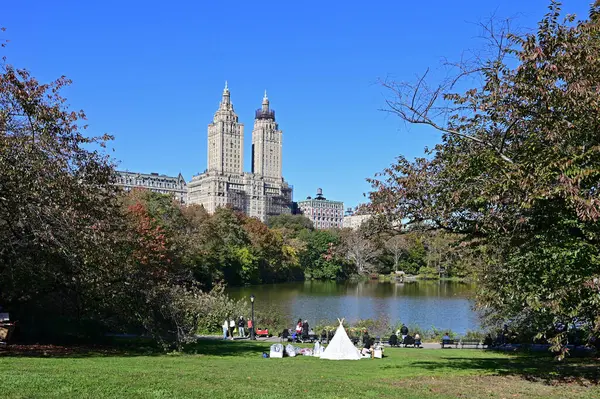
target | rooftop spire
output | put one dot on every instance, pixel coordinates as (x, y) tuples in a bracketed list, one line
[(225, 101), (265, 102)]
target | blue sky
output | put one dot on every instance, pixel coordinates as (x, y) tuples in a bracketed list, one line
[(152, 72)]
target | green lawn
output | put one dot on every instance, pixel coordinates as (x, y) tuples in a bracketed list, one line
[(237, 370)]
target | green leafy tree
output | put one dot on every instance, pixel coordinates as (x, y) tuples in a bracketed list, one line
[(296, 223), (319, 259), (517, 172)]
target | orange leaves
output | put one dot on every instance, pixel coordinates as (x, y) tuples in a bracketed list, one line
[(149, 239)]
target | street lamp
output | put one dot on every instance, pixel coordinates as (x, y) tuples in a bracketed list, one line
[(252, 336)]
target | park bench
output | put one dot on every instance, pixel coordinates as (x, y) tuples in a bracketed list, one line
[(470, 342), (310, 338), (448, 343)]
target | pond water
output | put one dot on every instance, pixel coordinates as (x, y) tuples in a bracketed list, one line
[(443, 304)]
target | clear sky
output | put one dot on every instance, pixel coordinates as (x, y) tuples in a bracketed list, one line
[(152, 72)]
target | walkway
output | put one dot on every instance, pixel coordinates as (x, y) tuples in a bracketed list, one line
[(427, 345)]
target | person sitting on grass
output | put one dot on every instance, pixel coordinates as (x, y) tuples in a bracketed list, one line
[(393, 340), (408, 340), (285, 334), (417, 340), (366, 339), (367, 348), (299, 327)]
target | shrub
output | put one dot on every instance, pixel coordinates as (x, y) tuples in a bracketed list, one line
[(270, 317), (218, 307)]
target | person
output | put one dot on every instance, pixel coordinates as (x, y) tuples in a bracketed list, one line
[(250, 326), (285, 334), (299, 327), (225, 327), (366, 338), (446, 337), (393, 340), (241, 324), (403, 331), (367, 347), (231, 327), (417, 339), (305, 330), (323, 336)]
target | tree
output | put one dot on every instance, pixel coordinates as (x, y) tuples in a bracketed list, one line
[(517, 172), (361, 251), (318, 259), (58, 208), (397, 245), (295, 223)]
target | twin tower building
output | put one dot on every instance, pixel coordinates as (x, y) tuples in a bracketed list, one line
[(261, 193)]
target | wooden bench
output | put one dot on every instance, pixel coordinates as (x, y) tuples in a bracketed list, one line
[(470, 342), (448, 343)]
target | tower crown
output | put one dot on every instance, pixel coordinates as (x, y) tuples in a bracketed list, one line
[(226, 99), (265, 112)]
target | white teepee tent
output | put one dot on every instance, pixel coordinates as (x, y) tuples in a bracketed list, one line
[(340, 347)]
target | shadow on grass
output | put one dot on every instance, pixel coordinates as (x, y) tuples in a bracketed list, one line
[(532, 367), (134, 347), (213, 347)]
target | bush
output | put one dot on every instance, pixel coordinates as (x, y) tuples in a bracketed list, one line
[(375, 327), (475, 335), (218, 307), (270, 317), (429, 273)]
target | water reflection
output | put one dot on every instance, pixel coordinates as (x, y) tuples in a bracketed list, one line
[(442, 304)]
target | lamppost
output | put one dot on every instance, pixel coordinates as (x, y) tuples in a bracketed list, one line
[(252, 336)]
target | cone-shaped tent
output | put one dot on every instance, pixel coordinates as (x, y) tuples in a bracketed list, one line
[(340, 347)]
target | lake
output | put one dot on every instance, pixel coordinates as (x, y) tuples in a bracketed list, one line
[(443, 304)]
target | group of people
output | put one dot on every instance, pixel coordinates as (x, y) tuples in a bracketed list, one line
[(230, 325), (301, 332), (406, 339), (302, 328)]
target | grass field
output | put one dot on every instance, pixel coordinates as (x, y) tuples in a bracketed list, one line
[(237, 370)]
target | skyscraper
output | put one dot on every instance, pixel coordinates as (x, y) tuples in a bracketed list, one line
[(266, 142), (261, 193), (226, 139)]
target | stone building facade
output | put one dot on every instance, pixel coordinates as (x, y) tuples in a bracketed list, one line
[(261, 193), (163, 184), (324, 213), (352, 221)]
